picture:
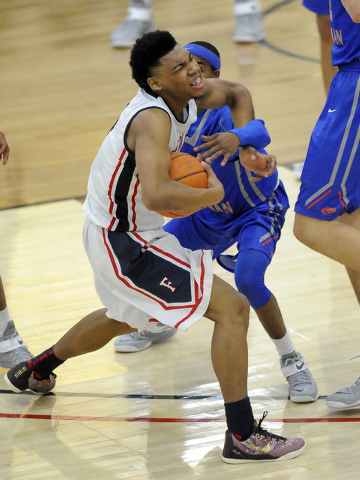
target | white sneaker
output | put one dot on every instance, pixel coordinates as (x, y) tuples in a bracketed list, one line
[(12, 348), (347, 397), (302, 384), (137, 341), (127, 33), (249, 28)]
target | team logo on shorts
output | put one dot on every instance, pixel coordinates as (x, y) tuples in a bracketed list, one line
[(165, 282), (327, 210)]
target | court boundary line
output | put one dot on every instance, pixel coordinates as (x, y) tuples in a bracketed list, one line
[(81, 418)]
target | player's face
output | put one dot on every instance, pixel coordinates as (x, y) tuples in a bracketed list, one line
[(206, 69), (179, 75)]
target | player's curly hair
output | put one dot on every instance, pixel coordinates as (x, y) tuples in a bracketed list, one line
[(146, 53)]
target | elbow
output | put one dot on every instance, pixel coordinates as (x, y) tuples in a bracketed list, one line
[(154, 202), (150, 203)]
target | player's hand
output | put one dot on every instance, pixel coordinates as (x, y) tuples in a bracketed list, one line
[(4, 149), (214, 183), (222, 143), (259, 163)]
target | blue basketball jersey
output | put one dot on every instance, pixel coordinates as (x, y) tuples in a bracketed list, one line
[(317, 6), (241, 194), (345, 34)]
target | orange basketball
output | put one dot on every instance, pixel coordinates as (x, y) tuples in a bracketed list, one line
[(187, 170)]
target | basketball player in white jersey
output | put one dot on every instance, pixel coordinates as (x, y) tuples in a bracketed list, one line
[(141, 272)]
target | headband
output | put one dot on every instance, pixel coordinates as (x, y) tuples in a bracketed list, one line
[(204, 53)]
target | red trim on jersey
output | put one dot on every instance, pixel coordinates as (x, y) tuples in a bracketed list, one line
[(133, 202), (340, 199), (202, 276), (111, 208), (163, 305), (159, 250), (267, 241)]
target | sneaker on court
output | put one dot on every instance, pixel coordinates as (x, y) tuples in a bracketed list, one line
[(347, 397), (137, 341), (261, 446), (20, 378), (303, 387), (249, 28), (127, 33), (12, 348)]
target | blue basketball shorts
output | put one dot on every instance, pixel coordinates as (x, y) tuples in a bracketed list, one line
[(330, 181), (258, 228)]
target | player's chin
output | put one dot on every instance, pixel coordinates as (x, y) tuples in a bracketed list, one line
[(198, 94)]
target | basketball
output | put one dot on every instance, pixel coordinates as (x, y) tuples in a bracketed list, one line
[(187, 170)]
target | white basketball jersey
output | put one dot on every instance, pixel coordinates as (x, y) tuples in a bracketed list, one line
[(114, 188)]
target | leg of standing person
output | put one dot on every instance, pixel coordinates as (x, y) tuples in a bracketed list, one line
[(327, 208), (139, 20), (12, 348), (248, 21), (293, 365)]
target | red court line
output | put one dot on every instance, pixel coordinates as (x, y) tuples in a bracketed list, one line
[(172, 420)]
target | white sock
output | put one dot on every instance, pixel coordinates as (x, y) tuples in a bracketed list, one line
[(4, 319), (246, 7), (284, 345)]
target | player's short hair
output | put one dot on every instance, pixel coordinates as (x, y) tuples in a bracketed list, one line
[(146, 53), (207, 51)]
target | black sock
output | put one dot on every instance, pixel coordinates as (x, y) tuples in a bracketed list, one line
[(240, 418), (44, 364)]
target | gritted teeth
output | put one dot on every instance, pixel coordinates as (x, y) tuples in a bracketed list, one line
[(196, 82)]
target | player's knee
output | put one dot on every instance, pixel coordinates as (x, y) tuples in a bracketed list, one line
[(237, 315), (301, 229), (249, 278)]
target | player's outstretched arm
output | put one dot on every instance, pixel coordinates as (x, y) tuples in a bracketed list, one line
[(4, 149), (226, 143)]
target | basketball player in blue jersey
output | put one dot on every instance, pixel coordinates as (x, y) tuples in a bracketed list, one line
[(141, 272), (327, 215), (250, 215)]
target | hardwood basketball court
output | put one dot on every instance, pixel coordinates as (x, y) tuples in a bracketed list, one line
[(156, 414)]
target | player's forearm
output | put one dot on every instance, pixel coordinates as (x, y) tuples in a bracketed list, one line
[(254, 134), (182, 198)]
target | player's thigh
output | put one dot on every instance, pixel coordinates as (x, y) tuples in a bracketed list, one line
[(352, 219), (227, 305)]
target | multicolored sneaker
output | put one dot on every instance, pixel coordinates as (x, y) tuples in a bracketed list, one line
[(347, 397), (302, 385), (20, 378), (261, 446), (12, 348), (137, 341)]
